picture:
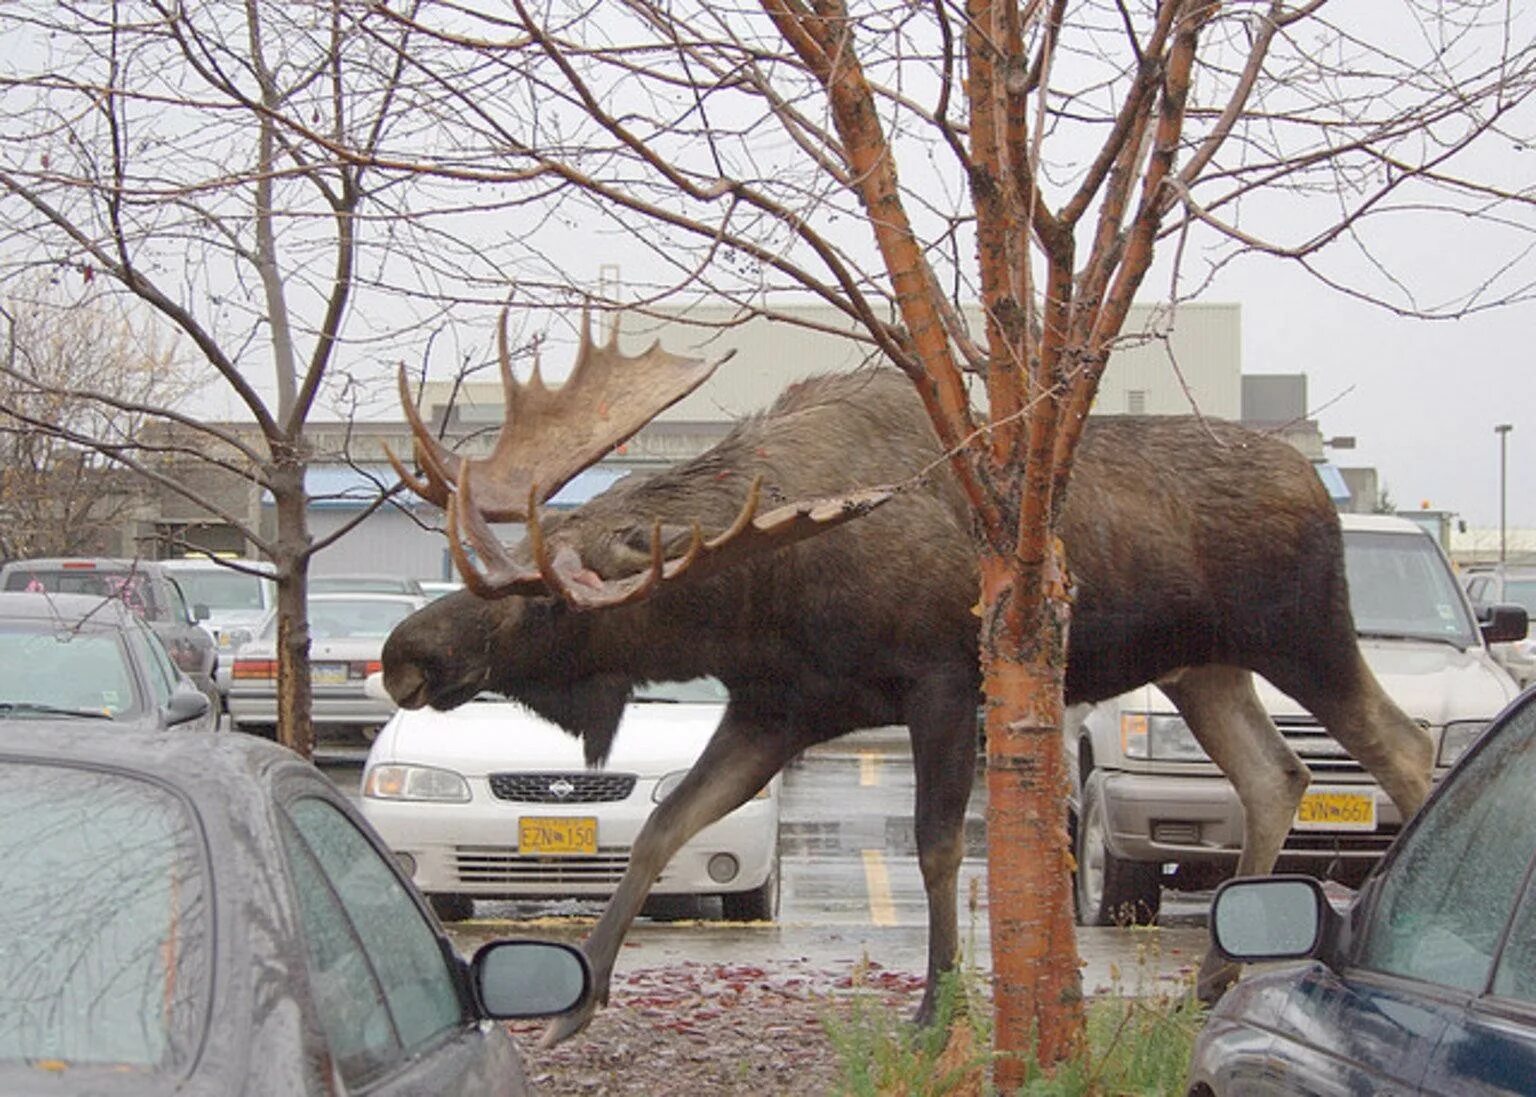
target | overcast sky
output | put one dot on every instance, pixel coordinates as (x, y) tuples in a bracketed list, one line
[(1420, 397)]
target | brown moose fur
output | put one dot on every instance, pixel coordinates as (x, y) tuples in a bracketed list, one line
[(1192, 544)]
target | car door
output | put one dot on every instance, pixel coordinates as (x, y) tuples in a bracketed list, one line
[(1430, 926), (1490, 1047), (393, 1006)]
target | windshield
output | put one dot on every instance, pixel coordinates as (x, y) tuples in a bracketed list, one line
[(132, 587), (222, 590), (1400, 585), (361, 584), (707, 690), (45, 666), (1522, 592), (104, 925)]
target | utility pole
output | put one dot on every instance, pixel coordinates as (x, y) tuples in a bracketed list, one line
[(1502, 430)]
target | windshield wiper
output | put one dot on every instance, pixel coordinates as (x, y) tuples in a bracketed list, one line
[(32, 708), (1427, 637)]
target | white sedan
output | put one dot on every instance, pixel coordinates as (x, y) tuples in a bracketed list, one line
[(492, 801), (347, 634)]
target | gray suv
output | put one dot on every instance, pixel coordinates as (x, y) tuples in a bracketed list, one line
[(145, 587), (1152, 810)]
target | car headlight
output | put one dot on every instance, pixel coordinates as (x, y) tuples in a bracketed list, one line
[(1457, 737), (667, 784), (397, 782), (1157, 736)]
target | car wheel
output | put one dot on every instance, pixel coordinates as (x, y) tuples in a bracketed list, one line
[(1108, 890), (261, 731), (452, 908), (761, 904)]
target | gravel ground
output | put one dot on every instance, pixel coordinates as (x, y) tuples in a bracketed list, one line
[(715, 1029)]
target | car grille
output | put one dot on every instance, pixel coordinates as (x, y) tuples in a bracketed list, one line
[(562, 788), (501, 866), (1320, 751)]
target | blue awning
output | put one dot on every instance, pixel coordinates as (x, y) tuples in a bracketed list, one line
[(348, 487), (1333, 480)]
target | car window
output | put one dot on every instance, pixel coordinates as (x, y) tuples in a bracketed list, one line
[(104, 923), (223, 589), (180, 610), (1522, 592), (1444, 900), (332, 618), (1400, 585), (158, 667), (1477, 590), (383, 984), (76, 670)]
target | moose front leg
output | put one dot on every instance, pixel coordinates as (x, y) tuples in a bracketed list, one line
[(941, 718), (740, 759)]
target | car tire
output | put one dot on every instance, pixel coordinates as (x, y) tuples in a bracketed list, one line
[(761, 904), (261, 731), (452, 908), (1109, 891)]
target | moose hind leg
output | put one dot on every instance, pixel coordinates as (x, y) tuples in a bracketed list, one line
[(942, 721), (1223, 711), (1366, 722), (740, 759)]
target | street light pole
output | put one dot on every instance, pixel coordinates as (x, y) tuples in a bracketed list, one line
[(1502, 430)]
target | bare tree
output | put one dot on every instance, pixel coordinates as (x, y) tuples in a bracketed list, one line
[(182, 156), (902, 161), (73, 378)]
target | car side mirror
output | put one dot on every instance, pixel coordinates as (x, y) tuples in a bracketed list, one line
[(524, 979), (186, 703), (1504, 623), (201, 612), (1258, 919)]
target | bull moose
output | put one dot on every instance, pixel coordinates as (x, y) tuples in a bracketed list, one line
[(819, 562)]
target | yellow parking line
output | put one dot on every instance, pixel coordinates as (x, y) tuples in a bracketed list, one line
[(869, 768), (882, 912)]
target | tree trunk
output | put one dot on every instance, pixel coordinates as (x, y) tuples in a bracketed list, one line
[(295, 726), (1037, 987)]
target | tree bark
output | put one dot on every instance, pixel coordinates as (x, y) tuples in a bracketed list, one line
[(1037, 986)]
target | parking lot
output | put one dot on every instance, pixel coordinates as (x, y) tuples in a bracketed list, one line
[(851, 888)]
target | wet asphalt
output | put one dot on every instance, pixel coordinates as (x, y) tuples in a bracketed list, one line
[(851, 891)]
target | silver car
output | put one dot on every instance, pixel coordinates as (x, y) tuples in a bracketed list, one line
[(347, 634), (238, 595)]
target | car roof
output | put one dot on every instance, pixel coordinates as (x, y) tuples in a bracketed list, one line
[(73, 609), (1384, 523), (203, 763), (204, 563), (84, 563)]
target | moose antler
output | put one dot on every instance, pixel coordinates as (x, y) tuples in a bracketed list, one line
[(564, 573), (549, 435)]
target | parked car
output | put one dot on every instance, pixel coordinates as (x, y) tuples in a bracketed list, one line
[(1426, 983), (144, 586), (347, 634), (491, 801), (364, 584), (207, 914), (238, 593), (75, 659), (436, 588), (1502, 584), (1146, 795)]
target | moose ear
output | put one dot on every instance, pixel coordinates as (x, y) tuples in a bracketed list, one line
[(637, 540)]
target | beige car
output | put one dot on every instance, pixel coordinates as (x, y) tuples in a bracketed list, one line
[(1151, 810)]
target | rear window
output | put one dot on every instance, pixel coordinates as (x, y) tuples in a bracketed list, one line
[(134, 589), (104, 922), (223, 589)]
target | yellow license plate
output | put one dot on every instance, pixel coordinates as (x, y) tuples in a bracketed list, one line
[(1335, 810), (539, 834), (328, 674)]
